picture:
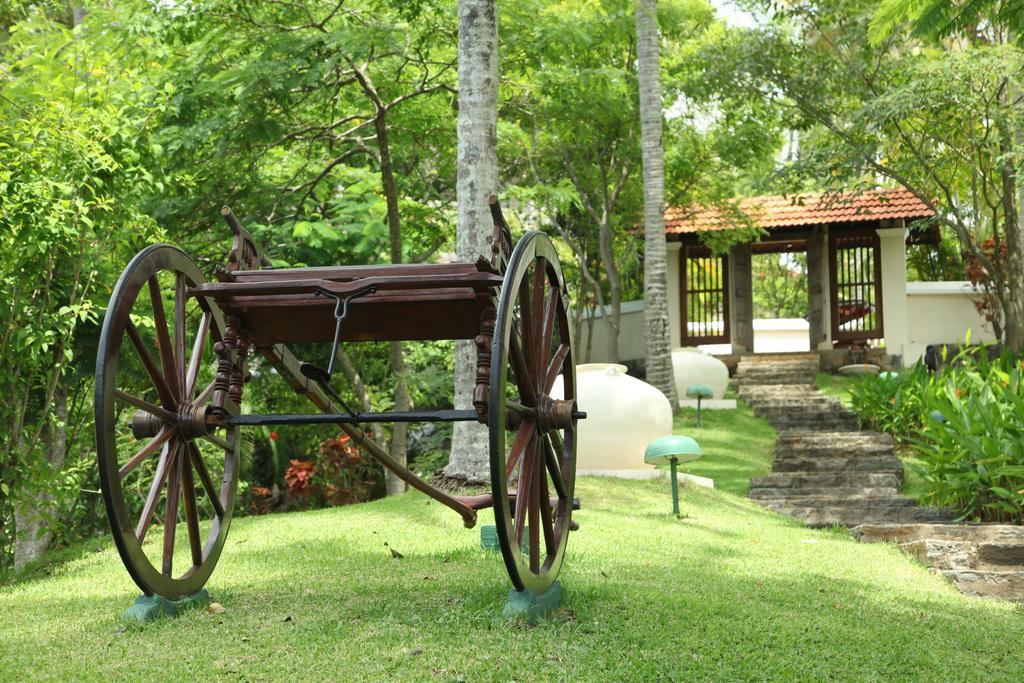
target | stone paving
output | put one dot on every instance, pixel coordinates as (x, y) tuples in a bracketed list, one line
[(827, 471)]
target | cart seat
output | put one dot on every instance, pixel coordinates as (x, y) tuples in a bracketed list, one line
[(408, 302)]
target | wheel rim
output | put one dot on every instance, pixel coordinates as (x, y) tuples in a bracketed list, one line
[(153, 382), (532, 434)]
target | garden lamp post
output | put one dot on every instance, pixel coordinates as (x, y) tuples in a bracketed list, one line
[(699, 392), (672, 449)]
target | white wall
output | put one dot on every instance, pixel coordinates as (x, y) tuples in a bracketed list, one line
[(631, 334), (770, 336), (941, 313)]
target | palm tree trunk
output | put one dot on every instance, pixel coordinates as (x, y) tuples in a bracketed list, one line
[(477, 180), (656, 324)]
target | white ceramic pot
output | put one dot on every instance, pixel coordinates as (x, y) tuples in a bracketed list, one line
[(624, 414), (692, 366)]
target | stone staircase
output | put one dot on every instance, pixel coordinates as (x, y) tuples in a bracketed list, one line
[(985, 560), (826, 470)]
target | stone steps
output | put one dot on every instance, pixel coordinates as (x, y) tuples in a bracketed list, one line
[(950, 555), (825, 480), (1006, 585), (851, 510), (977, 533), (985, 560), (826, 470), (813, 493), (878, 464), (825, 444)]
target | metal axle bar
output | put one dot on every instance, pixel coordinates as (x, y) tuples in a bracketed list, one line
[(357, 418)]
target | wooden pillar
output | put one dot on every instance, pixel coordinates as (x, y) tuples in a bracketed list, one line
[(741, 299), (818, 289)]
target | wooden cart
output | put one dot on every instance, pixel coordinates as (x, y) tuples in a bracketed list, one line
[(176, 352)]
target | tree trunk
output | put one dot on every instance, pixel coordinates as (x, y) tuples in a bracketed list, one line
[(656, 327), (400, 430), (611, 318), (33, 516), (477, 180)]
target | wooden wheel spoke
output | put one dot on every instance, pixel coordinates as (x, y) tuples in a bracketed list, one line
[(161, 437), (196, 359), (166, 460), (179, 333), (555, 367), (547, 523), (537, 322), (188, 491), (523, 493), (547, 331), (205, 394), (163, 337), (521, 370), (204, 478), (163, 389), (142, 404), (526, 337), (523, 436), (554, 467), (217, 441), (534, 509), (171, 517)]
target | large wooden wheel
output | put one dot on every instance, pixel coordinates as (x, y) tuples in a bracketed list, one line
[(160, 463), (532, 433)]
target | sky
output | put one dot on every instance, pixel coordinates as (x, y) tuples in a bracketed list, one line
[(733, 15)]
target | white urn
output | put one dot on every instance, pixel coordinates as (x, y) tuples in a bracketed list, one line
[(692, 366), (624, 414)]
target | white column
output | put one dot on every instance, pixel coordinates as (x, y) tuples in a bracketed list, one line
[(893, 243), (675, 334)]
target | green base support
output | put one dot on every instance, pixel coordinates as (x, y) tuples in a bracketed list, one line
[(531, 606), (489, 538), (149, 608)]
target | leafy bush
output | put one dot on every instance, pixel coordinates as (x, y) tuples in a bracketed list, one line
[(974, 457), (966, 424), (893, 404)]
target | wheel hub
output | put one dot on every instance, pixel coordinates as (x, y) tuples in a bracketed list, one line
[(553, 413), (192, 421)]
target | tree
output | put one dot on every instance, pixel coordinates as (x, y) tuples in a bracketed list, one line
[(76, 150), (942, 122), (322, 94), (477, 180), (656, 332)]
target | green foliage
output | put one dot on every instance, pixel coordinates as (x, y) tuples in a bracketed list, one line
[(973, 460), (966, 427), (894, 405), (780, 285), (75, 154)]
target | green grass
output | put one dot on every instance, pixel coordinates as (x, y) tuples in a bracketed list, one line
[(836, 386), (735, 446), (729, 592)]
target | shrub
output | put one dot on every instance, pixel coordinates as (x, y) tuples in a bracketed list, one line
[(973, 458), (893, 404)]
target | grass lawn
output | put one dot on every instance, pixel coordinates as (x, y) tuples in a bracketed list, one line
[(729, 592), (836, 386), (735, 444)]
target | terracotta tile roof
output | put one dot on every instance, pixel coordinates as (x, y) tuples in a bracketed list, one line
[(790, 211)]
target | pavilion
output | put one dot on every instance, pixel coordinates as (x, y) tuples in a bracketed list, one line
[(856, 266)]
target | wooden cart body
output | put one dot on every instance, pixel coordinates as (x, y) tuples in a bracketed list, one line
[(513, 306)]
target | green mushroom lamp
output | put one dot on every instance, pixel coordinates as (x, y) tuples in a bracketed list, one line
[(699, 392), (672, 449)]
